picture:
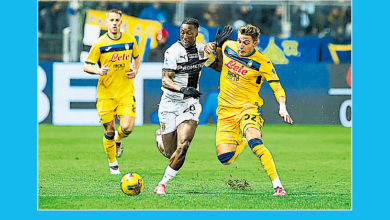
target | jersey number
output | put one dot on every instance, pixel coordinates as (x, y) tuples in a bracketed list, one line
[(247, 116)]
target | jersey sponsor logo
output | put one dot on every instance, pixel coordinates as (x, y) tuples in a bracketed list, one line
[(232, 65), (119, 66), (246, 62), (233, 76), (189, 67), (116, 57)]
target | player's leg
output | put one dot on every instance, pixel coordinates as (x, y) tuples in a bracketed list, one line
[(169, 144), (228, 138), (169, 147), (185, 134), (105, 109), (227, 153), (125, 128), (110, 146), (251, 126), (126, 115), (168, 131), (187, 121)]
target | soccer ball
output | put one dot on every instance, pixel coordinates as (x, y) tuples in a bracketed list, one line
[(132, 184)]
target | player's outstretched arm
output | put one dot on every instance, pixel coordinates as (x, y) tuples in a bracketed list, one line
[(89, 68), (283, 110)]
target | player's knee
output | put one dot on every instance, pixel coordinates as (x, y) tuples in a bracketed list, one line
[(254, 142), (166, 153), (226, 158), (184, 145), (109, 135), (182, 150), (127, 129)]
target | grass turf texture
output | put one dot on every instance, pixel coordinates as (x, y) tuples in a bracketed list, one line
[(313, 162)]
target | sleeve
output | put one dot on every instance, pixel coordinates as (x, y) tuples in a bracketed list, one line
[(170, 63), (94, 54), (269, 73), (135, 49)]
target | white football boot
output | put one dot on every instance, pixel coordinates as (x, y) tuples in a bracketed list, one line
[(115, 170), (160, 189)]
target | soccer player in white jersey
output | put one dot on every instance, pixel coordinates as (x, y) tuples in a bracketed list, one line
[(179, 107)]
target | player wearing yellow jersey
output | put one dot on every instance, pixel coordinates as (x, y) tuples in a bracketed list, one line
[(243, 71), (113, 52)]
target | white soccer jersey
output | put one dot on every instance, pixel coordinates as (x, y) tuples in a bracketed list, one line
[(187, 64)]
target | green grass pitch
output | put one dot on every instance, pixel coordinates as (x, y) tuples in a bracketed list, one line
[(313, 162)]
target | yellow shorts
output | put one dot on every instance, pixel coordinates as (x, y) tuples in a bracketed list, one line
[(109, 108), (232, 122)]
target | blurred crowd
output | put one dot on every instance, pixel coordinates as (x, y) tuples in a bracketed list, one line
[(306, 18)]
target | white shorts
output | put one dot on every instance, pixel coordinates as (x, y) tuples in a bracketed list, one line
[(172, 113)]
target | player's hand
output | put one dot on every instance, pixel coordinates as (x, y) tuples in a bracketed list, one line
[(104, 70), (210, 47), (131, 74), (284, 114), (190, 91), (220, 38)]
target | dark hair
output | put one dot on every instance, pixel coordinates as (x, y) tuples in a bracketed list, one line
[(115, 11), (192, 21), (250, 30)]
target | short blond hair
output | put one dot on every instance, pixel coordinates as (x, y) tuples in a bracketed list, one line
[(115, 11), (250, 30)]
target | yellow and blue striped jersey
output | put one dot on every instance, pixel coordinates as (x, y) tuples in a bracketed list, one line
[(242, 77), (117, 53)]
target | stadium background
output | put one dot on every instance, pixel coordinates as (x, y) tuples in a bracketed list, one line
[(312, 59)]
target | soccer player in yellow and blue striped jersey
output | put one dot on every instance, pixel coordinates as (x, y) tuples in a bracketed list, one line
[(113, 52), (243, 71)]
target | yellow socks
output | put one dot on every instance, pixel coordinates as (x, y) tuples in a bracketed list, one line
[(121, 134), (110, 148), (265, 156)]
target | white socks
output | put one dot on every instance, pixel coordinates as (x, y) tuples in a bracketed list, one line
[(168, 175), (113, 163), (277, 183)]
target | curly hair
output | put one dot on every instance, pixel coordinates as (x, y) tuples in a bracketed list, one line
[(192, 21)]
